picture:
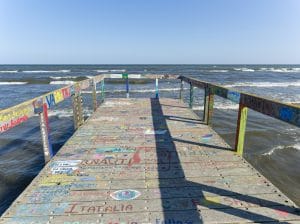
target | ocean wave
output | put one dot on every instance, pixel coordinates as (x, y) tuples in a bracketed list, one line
[(102, 71), (219, 70), (63, 77), (46, 71), (13, 83), (281, 147), (244, 69), (64, 113), (283, 70), (264, 84), (12, 71), (66, 82), (112, 70), (118, 70)]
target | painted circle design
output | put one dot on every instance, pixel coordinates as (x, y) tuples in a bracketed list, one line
[(125, 195)]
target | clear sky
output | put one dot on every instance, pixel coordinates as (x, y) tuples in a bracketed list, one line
[(150, 31)]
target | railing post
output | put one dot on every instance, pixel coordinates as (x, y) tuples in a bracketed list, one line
[(44, 125), (94, 89), (102, 91), (181, 90), (125, 76), (206, 104), (77, 110), (210, 106), (156, 89), (241, 129), (191, 96)]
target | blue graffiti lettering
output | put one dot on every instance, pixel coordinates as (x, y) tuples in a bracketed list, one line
[(286, 114), (50, 100), (234, 96)]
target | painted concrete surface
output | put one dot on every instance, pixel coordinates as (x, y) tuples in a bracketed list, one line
[(148, 161)]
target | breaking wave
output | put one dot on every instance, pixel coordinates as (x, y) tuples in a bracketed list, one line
[(46, 71), (63, 77), (284, 70), (244, 69), (281, 147), (66, 82), (13, 83), (13, 71), (219, 70), (264, 84), (112, 70)]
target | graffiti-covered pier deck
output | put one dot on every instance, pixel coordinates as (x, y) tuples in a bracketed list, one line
[(148, 161)]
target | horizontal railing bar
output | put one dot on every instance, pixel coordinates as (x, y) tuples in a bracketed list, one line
[(282, 111)]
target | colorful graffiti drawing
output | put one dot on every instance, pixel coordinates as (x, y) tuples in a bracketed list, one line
[(38, 105), (50, 100), (125, 195), (116, 150), (19, 115), (234, 96), (207, 137), (156, 132)]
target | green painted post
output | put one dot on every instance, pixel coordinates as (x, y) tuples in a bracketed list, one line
[(241, 129), (210, 106), (181, 90), (206, 103), (191, 96)]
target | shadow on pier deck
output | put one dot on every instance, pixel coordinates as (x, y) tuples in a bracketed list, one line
[(149, 161)]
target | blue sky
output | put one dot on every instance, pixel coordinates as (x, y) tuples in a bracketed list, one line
[(150, 31)]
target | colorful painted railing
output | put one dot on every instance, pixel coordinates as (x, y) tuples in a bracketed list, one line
[(285, 112), (13, 116)]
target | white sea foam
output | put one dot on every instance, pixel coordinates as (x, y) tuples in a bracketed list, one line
[(281, 147), (102, 71), (12, 71), (13, 83), (219, 70), (244, 69), (117, 70), (66, 82), (283, 70), (62, 113), (63, 77), (265, 84), (45, 71)]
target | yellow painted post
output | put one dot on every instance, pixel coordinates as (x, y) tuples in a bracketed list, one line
[(77, 110), (241, 129)]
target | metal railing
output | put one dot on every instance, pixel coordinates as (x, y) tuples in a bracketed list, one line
[(282, 111), (13, 116)]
